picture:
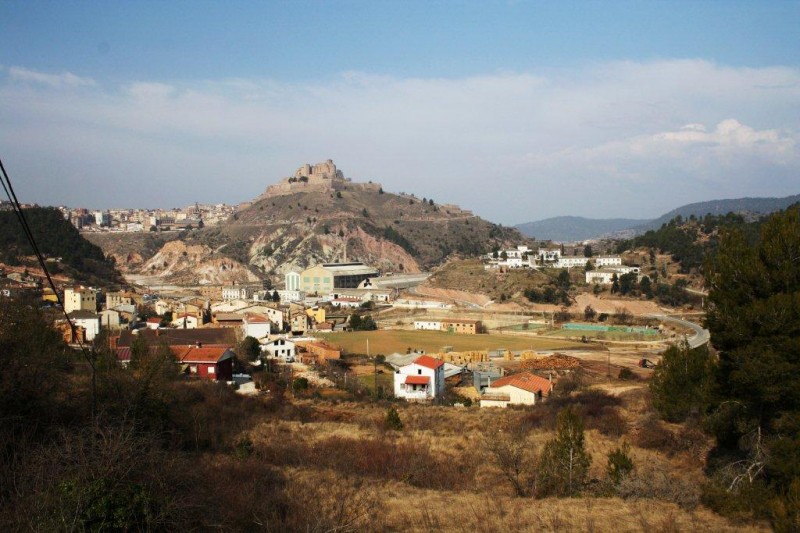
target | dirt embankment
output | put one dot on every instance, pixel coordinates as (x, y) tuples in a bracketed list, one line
[(178, 263)]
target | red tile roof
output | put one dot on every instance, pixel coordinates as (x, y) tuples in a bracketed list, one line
[(202, 355), (428, 361), (252, 318), (417, 380), (525, 381)]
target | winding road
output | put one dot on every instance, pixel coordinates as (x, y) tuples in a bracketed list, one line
[(701, 336)]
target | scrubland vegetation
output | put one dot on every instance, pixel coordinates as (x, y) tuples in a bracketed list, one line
[(164, 453)]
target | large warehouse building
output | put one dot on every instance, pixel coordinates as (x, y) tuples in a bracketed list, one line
[(328, 276)]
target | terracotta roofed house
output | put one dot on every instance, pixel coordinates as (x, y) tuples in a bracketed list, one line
[(420, 380), (524, 388)]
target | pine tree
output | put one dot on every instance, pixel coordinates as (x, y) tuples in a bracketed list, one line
[(680, 380), (565, 462), (754, 318)]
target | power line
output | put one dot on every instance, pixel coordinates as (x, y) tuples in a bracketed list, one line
[(5, 179)]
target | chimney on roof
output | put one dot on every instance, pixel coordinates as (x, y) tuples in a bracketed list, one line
[(198, 344)]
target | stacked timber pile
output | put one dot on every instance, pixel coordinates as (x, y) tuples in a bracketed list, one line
[(553, 362), (463, 358)]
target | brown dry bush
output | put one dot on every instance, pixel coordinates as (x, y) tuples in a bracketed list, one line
[(609, 422), (653, 435), (326, 502), (657, 481)]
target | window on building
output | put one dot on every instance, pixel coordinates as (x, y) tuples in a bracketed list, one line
[(211, 370)]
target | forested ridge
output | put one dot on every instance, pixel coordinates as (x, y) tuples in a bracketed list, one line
[(55, 238), (689, 240), (747, 396)]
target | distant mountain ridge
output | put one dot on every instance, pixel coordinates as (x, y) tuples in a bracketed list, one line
[(569, 228)]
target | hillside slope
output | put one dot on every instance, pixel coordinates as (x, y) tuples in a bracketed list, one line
[(80, 260), (315, 216)]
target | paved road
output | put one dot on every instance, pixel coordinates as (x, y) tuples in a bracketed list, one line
[(401, 281), (701, 336)]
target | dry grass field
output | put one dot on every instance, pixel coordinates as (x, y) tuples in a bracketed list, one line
[(387, 342), (438, 472)]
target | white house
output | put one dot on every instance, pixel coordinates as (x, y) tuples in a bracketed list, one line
[(88, 321), (607, 261), (518, 389), (571, 262), (428, 325), (256, 326), (237, 292), (280, 348), (109, 319), (548, 255), (292, 295), (421, 380), (605, 276)]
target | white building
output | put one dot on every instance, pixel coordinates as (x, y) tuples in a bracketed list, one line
[(79, 299), (518, 389), (102, 218), (571, 262), (428, 325), (605, 276), (256, 326), (88, 320), (421, 380), (280, 349), (607, 261), (237, 292), (549, 255), (291, 295), (292, 280), (109, 319)]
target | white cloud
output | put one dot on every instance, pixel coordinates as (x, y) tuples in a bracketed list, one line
[(65, 79), (597, 141)]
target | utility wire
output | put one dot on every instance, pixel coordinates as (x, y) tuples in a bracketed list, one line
[(5, 179)]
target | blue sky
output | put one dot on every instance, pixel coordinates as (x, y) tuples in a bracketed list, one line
[(517, 110)]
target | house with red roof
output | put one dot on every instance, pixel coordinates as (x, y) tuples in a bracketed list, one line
[(420, 380), (203, 361), (209, 362), (524, 388)]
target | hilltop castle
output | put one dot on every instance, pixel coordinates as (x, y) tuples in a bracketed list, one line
[(316, 178)]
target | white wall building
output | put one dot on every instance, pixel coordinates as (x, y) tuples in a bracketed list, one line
[(421, 380), (292, 281), (525, 388), (79, 299), (237, 292), (428, 325), (605, 276), (88, 320), (571, 262), (607, 261), (280, 348), (256, 326)]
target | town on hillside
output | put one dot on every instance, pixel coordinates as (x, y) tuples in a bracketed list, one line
[(430, 342)]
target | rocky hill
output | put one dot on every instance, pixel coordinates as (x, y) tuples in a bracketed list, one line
[(318, 215)]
